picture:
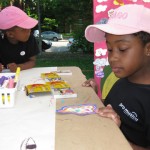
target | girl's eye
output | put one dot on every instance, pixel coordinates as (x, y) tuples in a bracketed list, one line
[(123, 49), (109, 50)]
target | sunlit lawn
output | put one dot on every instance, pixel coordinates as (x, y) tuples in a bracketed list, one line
[(84, 61)]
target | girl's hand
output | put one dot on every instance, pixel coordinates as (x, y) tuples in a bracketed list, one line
[(90, 83), (109, 112)]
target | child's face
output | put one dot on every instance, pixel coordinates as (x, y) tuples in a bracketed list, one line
[(20, 34), (125, 55)]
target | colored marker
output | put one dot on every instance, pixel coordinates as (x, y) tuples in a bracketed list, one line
[(17, 74), (3, 98), (8, 97)]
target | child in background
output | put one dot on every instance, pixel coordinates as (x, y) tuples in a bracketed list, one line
[(127, 35), (18, 48)]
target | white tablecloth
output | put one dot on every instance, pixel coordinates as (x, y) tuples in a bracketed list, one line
[(30, 119)]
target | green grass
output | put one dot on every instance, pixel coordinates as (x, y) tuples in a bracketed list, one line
[(83, 61)]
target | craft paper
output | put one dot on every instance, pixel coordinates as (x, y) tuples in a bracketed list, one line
[(82, 109)]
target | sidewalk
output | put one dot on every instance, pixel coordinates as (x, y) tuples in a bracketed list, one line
[(59, 46)]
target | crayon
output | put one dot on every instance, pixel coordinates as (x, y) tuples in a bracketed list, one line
[(2, 80), (11, 83), (5, 83)]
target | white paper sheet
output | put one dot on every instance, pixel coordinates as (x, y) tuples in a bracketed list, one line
[(30, 118)]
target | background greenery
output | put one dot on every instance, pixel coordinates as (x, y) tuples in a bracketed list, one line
[(60, 15), (84, 61)]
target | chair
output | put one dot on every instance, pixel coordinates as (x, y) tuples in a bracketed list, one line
[(107, 81)]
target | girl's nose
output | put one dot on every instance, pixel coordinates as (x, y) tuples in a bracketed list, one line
[(113, 56)]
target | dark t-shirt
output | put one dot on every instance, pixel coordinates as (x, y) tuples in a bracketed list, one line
[(17, 53), (132, 103)]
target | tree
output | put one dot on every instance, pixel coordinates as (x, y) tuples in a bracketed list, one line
[(69, 14)]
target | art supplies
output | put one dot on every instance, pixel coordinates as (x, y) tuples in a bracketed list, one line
[(2, 80), (61, 89), (7, 89), (63, 93), (59, 84), (11, 83), (37, 88), (82, 109), (51, 76), (54, 84), (5, 83), (64, 72), (17, 74)]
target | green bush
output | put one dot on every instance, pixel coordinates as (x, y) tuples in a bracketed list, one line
[(81, 44)]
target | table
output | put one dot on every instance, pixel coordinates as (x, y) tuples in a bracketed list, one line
[(72, 132), (89, 132)]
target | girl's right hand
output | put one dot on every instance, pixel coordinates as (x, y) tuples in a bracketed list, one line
[(109, 112)]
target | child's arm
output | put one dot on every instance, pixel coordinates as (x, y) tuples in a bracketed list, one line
[(27, 65)]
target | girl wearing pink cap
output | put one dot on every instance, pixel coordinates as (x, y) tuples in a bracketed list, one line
[(127, 35)]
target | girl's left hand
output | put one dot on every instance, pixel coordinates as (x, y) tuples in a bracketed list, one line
[(109, 112)]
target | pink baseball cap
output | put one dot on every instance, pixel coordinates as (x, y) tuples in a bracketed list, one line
[(126, 19), (13, 16)]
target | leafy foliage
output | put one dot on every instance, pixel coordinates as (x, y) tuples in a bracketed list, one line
[(49, 24), (65, 12), (80, 43)]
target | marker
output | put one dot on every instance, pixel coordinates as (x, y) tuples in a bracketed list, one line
[(3, 98), (8, 97), (17, 75)]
